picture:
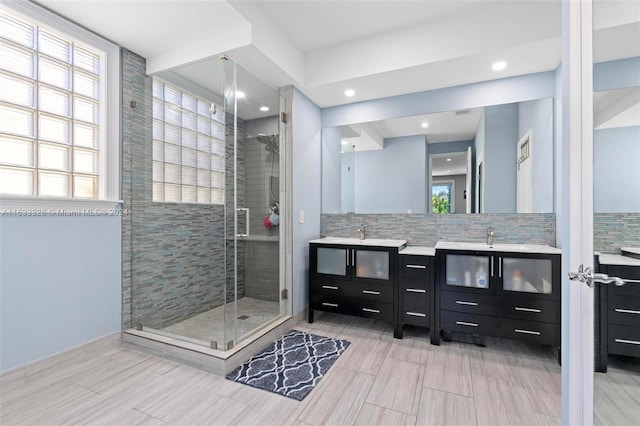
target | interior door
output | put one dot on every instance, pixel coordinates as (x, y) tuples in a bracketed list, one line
[(467, 190), (576, 213)]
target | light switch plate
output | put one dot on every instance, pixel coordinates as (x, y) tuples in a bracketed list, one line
[(301, 216)]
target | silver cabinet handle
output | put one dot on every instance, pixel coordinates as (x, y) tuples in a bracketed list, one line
[(629, 342), (491, 261), (377, 293), (347, 253), (353, 257), (460, 302), (416, 266), (416, 290), (468, 324), (499, 267), (375, 311), (415, 314), (517, 330), (627, 311), (528, 309), (330, 287), (246, 221), (333, 305)]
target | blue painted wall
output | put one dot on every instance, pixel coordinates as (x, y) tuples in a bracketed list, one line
[(331, 165), (537, 116), (392, 179), (60, 284), (616, 171), (306, 191), (501, 135), (616, 74)]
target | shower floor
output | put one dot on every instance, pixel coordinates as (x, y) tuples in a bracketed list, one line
[(209, 326)]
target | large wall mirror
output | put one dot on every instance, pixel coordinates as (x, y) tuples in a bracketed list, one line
[(492, 159)]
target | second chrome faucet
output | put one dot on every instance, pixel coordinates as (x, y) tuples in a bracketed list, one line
[(361, 230), (490, 236)]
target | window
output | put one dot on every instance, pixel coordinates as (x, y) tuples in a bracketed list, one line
[(188, 147), (442, 197), (59, 135)]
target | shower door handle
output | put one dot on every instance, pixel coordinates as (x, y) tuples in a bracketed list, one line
[(246, 222)]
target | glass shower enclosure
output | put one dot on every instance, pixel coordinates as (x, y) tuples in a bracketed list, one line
[(206, 230)]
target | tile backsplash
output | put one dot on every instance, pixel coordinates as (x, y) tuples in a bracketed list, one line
[(427, 229)]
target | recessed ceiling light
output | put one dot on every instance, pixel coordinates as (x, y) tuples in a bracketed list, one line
[(448, 159), (344, 142), (240, 94), (448, 171), (424, 125), (499, 66), (264, 108), (349, 92)]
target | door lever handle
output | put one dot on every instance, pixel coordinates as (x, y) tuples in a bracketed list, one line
[(606, 279)]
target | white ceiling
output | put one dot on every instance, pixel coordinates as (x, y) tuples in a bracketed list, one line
[(453, 163), (378, 48)]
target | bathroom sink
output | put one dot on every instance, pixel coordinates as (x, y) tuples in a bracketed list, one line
[(379, 242), (512, 248)]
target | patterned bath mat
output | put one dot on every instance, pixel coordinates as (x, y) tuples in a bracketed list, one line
[(292, 365)]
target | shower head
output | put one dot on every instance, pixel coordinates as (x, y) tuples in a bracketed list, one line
[(270, 142)]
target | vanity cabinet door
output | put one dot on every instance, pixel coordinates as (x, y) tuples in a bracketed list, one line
[(332, 261), (534, 276), (467, 272)]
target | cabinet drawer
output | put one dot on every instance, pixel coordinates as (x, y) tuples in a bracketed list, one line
[(329, 287), (362, 308), (530, 331), (531, 309), (415, 311), (624, 310), (415, 266), (381, 292), (469, 302), (629, 289), (467, 323), (624, 340), (416, 283)]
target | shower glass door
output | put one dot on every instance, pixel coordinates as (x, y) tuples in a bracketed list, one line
[(252, 204), (201, 178)]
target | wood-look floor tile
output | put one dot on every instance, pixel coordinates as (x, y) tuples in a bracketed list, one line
[(612, 404), (338, 398), (397, 386), (448, 371), (414, 347), (543, 420), (444, 408), (365, 355), (134, 417), (270, 409), (38, 406), (490, 408), (372, 415), (517, 402)]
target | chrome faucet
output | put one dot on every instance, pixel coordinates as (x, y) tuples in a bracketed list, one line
[(361, 230), (490, 236)]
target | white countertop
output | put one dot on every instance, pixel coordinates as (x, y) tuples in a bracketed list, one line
[(618, 259), (376, 242), (631, 250), (511, 248), (418, 250)]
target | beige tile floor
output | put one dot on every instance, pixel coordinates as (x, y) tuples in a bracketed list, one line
[(211, 325), (377, 381)]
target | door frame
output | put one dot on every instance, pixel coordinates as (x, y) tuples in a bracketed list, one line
[(576, 211)]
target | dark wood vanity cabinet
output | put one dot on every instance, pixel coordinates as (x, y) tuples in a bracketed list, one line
[(500, 294), (354, 280), (416, 291), (617, 315)]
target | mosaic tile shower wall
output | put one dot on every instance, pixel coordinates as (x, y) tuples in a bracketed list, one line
[(173, 254), (426, 230)]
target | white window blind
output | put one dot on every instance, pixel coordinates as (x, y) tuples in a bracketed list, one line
[(188, 147), (53, 110)]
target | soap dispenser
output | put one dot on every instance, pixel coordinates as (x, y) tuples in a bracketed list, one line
[(481, 278)]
